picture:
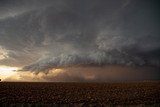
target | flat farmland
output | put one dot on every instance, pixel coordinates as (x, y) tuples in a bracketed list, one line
[(81, 94)]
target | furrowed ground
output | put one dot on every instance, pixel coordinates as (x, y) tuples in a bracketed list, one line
[(133, 93)]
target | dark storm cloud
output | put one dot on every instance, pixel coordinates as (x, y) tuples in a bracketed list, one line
[(48, 34)]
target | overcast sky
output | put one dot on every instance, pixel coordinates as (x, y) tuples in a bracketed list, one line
[(39, 35)]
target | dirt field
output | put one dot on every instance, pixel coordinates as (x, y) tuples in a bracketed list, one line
[(80, 94)]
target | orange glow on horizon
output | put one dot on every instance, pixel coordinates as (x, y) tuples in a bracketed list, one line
[(7, 71)]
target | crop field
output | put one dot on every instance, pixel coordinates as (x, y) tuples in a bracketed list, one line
[(35, 94)]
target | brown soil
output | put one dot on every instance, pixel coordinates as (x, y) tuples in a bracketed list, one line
[(133, 93)]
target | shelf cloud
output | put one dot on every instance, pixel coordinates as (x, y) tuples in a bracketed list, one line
[(40, 35)]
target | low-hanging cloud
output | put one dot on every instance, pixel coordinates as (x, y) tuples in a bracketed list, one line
[(94, 58), (105, 73)]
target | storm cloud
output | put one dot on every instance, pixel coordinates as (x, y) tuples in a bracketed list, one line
[(40, 35)]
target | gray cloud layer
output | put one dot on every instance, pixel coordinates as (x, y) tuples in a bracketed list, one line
[(55, 33)]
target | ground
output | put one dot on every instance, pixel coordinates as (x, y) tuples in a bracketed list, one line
[(80, 94)]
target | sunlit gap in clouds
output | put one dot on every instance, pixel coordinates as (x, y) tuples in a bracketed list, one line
[(7, 72), (15, 74)]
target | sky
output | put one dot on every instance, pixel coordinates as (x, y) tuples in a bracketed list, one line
[(79, 40)]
